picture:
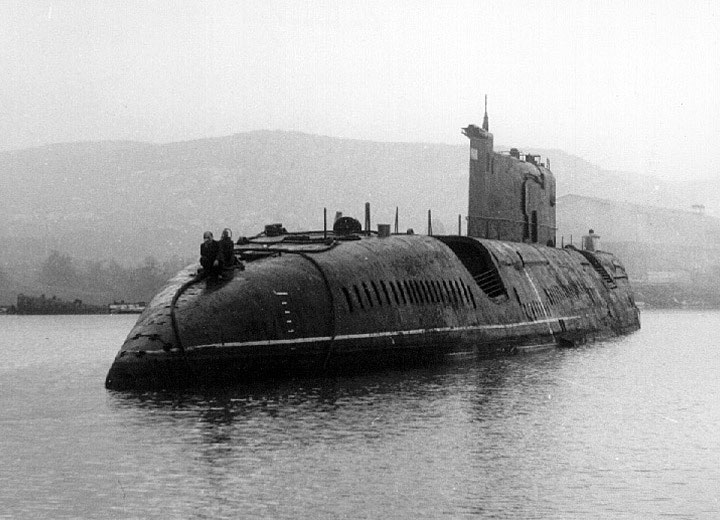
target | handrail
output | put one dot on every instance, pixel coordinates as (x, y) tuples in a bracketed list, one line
[(270, 249)]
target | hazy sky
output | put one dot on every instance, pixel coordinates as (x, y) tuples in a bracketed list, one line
[(625, 84)]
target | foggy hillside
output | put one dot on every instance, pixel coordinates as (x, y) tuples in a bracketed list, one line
[(127, 201)]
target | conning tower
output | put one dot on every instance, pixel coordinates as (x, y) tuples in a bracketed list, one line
[(511, 195)]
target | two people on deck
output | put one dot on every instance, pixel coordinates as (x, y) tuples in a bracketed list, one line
[(217, 257)]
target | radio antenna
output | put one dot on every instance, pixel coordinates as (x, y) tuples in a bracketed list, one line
[(486, 125)]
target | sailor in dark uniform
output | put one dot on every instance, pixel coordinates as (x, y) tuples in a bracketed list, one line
[(226, 254), (209, 255)]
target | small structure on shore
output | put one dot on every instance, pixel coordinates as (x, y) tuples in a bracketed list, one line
[(126, 308)]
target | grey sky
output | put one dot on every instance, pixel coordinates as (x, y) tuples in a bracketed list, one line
[(625, 84)]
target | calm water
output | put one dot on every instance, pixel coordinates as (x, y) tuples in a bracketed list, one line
[(621, 429)]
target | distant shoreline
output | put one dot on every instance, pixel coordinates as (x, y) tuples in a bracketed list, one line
[(41, 305)]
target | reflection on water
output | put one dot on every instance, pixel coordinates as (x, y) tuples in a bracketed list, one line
[(621, 429), (330, 445)]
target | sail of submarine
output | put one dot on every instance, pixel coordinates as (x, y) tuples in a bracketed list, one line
[(318, 302)]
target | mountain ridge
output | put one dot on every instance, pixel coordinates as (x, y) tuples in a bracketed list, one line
[(126, 201)]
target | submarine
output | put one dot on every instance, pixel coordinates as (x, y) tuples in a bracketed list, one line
[(349, 298)]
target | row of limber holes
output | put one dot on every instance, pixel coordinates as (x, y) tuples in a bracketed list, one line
[(369, 294)]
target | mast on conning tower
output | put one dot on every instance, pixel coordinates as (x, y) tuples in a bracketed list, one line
[(485, 118)]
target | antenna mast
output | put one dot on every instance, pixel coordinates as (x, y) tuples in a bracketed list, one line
[(485, 118)]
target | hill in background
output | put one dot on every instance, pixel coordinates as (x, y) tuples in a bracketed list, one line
[(137, 203)]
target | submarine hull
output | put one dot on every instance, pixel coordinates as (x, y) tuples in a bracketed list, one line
[(316, 303), (307, 309)]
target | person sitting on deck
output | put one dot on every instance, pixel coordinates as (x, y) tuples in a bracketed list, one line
[(226, 255), (209, 256)]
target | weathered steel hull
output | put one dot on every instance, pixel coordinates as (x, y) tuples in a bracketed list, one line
[(373, 302)]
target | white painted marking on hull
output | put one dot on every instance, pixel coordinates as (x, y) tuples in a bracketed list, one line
[(465, 353), (541, 346), (384, 334)]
